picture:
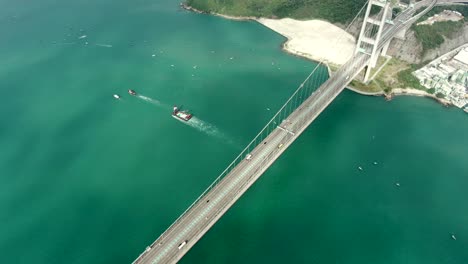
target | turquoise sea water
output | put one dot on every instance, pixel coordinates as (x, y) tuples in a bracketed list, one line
[(85, 178)]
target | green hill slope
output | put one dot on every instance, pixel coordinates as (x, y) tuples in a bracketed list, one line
[(336, 11)]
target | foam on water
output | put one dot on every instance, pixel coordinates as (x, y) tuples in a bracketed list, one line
[(204, 127), (151, 100), (103, 45), (209, 129)]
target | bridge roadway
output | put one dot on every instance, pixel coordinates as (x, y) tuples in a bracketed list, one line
[(194, 223)]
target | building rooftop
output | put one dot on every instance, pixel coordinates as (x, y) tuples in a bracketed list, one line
[(462, 56)]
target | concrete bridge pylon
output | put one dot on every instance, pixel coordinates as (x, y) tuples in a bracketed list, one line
[(371, 32)]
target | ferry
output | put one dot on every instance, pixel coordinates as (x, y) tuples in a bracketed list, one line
[(182, 115), (132, 92), (116, 96)]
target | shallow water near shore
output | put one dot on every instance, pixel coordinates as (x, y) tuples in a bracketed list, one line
[(85, 178)]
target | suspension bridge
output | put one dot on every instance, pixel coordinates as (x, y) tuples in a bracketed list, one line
[(300, 110)]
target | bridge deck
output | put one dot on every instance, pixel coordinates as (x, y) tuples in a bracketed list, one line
[(199, 218)]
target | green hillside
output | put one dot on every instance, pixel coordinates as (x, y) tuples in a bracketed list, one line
[(432, 36), (337, 11)]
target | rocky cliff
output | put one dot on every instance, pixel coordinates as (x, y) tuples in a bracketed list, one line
[(410, 49)]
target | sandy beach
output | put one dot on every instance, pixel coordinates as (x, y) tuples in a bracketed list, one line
[(314, 39), (317, 40)]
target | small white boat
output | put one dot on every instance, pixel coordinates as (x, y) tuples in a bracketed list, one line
[(397, 184), (82, 37), (375, 163), (454, 237), (116, 96), (359, 168)]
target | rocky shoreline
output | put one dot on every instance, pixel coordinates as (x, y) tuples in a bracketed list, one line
[(237, 18)]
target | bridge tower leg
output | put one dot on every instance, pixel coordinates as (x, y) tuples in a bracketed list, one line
[(371, 33)]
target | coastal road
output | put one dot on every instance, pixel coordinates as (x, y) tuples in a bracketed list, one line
[(204, 213), (448, 2)]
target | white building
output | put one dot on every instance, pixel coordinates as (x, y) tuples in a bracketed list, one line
[(462, 57)]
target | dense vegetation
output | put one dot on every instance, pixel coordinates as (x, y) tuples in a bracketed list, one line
[(337, 11), (407, 78), (432, 37)]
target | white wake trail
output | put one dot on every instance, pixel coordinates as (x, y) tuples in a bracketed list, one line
[(149, 100), (209, 129), (104, 45)]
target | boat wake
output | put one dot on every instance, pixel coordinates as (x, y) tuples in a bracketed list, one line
[(200, 125), (204, 127), (208, 129), (150, 100), (103, 45)]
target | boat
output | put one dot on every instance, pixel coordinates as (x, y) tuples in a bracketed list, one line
[(360, 168), (182, 115), (466, 109), (454, 237), (116, 96), (132, 92)]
